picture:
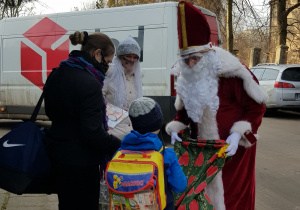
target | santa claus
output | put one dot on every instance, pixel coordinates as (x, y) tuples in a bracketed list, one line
[(218, 98)]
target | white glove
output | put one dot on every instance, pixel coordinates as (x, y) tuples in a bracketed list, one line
[(233, 141), (174, 137)]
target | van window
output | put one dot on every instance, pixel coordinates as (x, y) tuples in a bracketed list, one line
[(258, 72), (291, 74), (270, 74)]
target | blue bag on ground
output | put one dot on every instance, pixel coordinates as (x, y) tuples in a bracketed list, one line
[(23, 157)]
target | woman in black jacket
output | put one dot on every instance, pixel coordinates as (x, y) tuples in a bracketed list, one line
[(78, 140)]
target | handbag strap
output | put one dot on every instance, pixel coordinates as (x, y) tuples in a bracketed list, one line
[(37, 108), (39, 104)]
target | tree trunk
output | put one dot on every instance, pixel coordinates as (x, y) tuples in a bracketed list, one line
[(282, 21), (229, 26)]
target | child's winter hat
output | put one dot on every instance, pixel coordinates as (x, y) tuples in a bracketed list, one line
[(146, 115)]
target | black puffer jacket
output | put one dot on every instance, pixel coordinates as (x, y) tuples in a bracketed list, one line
[(74, 104)]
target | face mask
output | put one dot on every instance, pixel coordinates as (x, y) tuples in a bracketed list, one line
[(103, 64)]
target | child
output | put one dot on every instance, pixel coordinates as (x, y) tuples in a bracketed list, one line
[(147, 120)]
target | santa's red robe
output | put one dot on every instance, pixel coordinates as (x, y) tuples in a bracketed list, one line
[(240, 110)]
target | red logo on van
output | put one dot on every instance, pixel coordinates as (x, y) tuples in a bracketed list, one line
[(43, 50)]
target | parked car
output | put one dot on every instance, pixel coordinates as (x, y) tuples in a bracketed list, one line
[(282, 83)]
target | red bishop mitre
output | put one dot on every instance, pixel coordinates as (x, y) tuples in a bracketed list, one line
[(193, 29)]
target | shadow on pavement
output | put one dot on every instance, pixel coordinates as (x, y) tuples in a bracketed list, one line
[(4, 123), (283, 114), (9, 123)]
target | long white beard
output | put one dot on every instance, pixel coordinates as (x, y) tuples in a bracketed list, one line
[(198, 86)]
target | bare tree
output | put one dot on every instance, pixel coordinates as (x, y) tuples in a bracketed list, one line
[(249, 30), (229, 26), (246, 29), (12, 8), (100, 4), (282, 19), (285, 29)]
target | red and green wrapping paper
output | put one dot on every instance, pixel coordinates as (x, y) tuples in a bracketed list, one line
[(200, 161)]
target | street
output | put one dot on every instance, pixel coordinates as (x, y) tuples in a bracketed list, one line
[(277, 164)]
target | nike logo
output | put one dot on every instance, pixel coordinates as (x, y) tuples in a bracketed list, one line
[(6, 144)]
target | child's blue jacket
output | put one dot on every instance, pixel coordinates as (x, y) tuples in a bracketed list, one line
[(177, 181)]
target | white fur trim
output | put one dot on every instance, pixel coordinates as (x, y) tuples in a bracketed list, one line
[(232, 67), (241, 127), (208, 129), (174, 126), (215, 192), (178, 103)]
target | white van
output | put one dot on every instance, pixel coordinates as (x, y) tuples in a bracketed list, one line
[(31, 46)]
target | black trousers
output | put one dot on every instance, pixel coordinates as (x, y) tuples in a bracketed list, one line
[(170, 206), (78, 187)]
